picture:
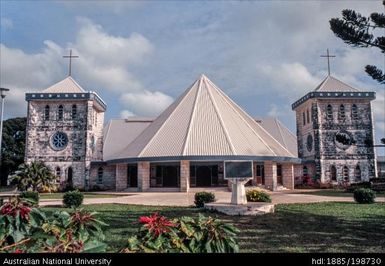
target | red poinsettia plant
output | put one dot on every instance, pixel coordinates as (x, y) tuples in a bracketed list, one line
[(14, 207), (156, 224)]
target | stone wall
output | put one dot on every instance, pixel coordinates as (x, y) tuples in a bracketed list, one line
[(184, 176), (109, 176), (288, 175), (270, 175), (121, 177)]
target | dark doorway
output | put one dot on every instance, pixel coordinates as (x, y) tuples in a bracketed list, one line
[(132, 175), (69, 177), (260, 174), (203, 176), (170, 176), (279, 174)]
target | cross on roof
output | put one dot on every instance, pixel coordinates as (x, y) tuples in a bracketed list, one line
[(70, 57), (328, 56)]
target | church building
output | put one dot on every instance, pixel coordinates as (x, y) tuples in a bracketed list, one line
[(188, 143)]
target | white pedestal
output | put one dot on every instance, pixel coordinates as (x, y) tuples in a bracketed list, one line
[(238, 195)]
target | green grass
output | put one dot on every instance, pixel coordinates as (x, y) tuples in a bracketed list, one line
[(87, 195), (315, 227)]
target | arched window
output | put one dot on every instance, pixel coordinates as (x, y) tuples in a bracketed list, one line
[(307, 116), (329, 112), (100, 175), (60, 112), (58, 171), (341, 113), (74, 111), (354, 112), (46, 113), (345, 173), (357, 173), (333, 173), (303, 118)]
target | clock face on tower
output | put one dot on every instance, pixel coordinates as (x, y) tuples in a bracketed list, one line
[(309, 143), (343, 140), (59, 141)]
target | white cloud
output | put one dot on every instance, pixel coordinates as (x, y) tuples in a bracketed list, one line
[(6, 23), (126, 113), (147, 103), (103, 63)]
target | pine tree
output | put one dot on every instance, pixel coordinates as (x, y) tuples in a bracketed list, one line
[(359, 31)]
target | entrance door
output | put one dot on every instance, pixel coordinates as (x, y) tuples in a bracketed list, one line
[(203, 176), (260, 174), (279, 174), (132, 176), (170, 176)]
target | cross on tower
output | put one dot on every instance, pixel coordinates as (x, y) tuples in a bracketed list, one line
[(70, 57), (328, 56)]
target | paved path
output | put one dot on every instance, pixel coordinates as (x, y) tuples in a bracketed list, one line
[(187, 199)]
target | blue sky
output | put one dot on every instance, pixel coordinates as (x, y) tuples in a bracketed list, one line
[(140, 55)]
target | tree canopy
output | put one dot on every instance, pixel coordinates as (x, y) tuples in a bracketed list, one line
[(13, 146), (359, 31)]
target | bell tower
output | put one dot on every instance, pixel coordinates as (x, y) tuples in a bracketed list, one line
[(64, 130)]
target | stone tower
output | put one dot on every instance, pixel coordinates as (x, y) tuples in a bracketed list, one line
[(65, 130), (335, 133)]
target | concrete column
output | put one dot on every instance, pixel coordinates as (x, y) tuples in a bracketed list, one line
[(271, 175), (143, 176), (288, 175), (121, 177), (184, 176)]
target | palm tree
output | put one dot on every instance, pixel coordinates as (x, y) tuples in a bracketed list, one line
[(33, 176)]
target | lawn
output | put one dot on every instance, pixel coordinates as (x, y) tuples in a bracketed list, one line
[(315, 227), (87, 195)]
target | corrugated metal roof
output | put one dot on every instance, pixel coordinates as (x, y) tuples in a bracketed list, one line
[(204, 121), (66, 85), (334, 85)]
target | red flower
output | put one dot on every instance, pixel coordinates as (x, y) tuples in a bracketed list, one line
[(18, 251), (11, 210), (156, 224)]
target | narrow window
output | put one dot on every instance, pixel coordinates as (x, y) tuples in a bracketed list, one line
[(74, 111), (345, 173), (46, 113), (333, 173), (341, 112), (303, 118), (308, 116), (357, 173), (60, 112), (354, 112), (279, 170), (58, 172), (329, 112), (305, 171), (96, 118), (100, 175)]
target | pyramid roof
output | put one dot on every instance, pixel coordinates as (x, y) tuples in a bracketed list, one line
[(67, 85), (331, 84)]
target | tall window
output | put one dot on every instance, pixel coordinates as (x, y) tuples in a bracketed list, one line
[(60, 112), (341, 113), (307, 116), (58, 172), (345, 173), (96, 118), (74, 111), (333, 173), (354, 112), (46, 113), (329, 112), (305, 171), (279, 170), (100, 175), (357, 173), (303, 118)]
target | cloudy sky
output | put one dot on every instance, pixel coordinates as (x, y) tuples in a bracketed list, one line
[(140, 55)]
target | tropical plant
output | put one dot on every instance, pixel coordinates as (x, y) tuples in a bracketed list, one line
[(257, 195), (32, 195), (73, 199), (33, 176), (185, 234), (203, 197)]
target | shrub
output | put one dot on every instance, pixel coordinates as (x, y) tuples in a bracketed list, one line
[(364, 195), (31, 195), (185, 234), (203, 197), (256, 195), (355, 186), (73, 199)]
